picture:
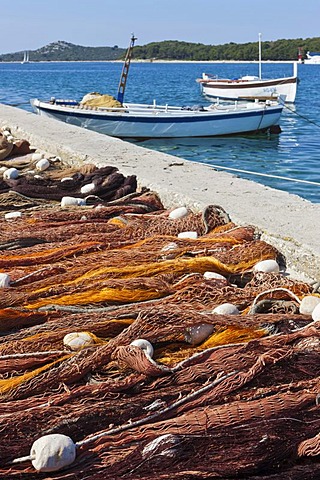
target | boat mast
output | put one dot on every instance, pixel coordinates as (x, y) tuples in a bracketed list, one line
[(125, 70), (260, 56)]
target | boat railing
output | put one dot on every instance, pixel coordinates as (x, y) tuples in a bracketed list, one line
[(154, 109)]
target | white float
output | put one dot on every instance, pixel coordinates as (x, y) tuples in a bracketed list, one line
[(66, 179), (87, 188), (4, 280), (226, 309), (12, 215), (78, 340), (192, 235), (267, 266), (308, 304), (316, 313), (72, 202), (213, 275), (179, 212), (42, 165), (144, 345), (52, 452), (11, 174), (169, 246), (36, 157)]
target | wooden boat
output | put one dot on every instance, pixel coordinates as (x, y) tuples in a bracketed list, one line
[(163, 121), (131, 120), (249, 87)]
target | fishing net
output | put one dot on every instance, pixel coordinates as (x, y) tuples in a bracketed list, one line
[(95, 99), (223, 395)]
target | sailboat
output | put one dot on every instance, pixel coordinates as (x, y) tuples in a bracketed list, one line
[(25, 57), (250, 87)]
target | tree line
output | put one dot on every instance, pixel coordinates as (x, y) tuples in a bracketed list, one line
[(271, 50), (277, 50)]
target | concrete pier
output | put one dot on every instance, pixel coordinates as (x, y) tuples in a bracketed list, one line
[(287, 221)]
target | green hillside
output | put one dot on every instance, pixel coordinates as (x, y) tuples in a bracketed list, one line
[(275, 50), (67, 52), (172, 50)]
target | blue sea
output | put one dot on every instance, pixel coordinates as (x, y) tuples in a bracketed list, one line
[(276, 160)]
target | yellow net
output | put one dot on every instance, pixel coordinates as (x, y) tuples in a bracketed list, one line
[(100, 100)]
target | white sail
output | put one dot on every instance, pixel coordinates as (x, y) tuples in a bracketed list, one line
[(25, 57)]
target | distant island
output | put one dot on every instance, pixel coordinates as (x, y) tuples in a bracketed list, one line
[(278, 50)]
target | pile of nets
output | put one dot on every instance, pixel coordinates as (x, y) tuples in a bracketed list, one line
[(96, 99), (159, 342)]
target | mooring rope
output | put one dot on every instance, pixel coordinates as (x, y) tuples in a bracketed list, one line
[(249, 172)]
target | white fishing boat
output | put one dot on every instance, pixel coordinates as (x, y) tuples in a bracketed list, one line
[(163, 121), (313, 58), (249, 87), (26, 57), (131, 120)]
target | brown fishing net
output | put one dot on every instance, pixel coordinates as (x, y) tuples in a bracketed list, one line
[(222, 396)]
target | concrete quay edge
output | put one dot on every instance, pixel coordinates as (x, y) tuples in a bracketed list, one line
[(286, 221)]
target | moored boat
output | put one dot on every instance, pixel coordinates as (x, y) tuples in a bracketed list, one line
[(313, 58), (163, 121), (249, 87)]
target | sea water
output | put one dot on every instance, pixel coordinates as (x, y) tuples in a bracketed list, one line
[(275, 160)]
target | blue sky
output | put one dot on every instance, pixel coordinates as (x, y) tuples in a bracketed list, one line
[(31, 24)]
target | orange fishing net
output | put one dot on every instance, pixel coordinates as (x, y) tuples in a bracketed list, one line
[(223, 395)]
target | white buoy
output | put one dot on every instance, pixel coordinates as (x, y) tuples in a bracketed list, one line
[(36, 157), (72, 201), (66, 179), (192, 235), (42, 165), (308, 304), (169, 246), (145, 345), (226, 309), (4, 280), (198, 333), (12, 215), (11, 174), (52, 452), (6, 132), (77, 340), (267, 266), (2, 170), (210, 275), (316, 313), (179, 212), (87, 188)]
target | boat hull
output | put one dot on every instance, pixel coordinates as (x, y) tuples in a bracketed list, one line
[(148, 123), (241, 89)]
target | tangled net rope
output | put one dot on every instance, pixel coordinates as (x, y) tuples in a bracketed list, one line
[(223, 394)]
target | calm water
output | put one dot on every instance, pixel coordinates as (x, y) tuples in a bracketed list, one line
[(295, 153)]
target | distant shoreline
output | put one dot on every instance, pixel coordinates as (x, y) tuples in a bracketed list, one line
[(156, 61)]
